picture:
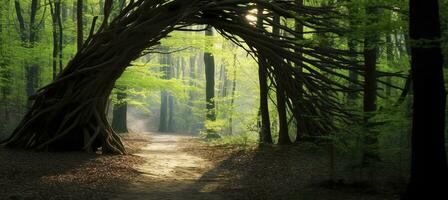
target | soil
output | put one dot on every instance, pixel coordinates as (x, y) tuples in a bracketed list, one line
[(174, 166)]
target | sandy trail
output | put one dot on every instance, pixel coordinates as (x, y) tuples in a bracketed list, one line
[(170, 173)]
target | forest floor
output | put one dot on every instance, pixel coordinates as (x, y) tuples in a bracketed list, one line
[(173, 166)]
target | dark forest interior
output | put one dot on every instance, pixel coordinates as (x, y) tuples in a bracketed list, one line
[(223, 99)]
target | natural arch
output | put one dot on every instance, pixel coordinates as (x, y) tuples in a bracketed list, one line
[(68, 114)]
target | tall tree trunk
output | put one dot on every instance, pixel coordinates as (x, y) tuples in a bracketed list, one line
[(59, 17), (56, 47), (28, 40), (32, 70), (371, 40), (429, 171), (283, 133), (163, 124), (5, 75), (265, 126), (209, 62), (300, 125), (119, 119), (33, 26), (191, 94), (171, 124), (21, 21), (390, 62), (353, 75), (80, 24), (232, 98)]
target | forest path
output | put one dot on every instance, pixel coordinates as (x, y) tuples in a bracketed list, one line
[(170, 173)]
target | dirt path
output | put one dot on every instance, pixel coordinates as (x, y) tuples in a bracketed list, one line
[(170, 173), (179, 167)]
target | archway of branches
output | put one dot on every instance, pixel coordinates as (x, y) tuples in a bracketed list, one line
[(69, 114)]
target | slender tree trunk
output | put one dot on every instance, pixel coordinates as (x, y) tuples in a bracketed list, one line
[(232, 98), (283, 133), (54, 19), (191, 94), (80, 24), (21, 21), (429, 171), (33, 26), (28, 41), (353, 94), (171, 124), (209, 62), (265, 126), (300, 125), (61, 33), (390, 62), (163, 124)]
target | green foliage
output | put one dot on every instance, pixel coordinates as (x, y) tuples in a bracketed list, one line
[(243, 140)]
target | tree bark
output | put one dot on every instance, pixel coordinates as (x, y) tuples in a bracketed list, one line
[(232, 96), (119, 119), (55, 16), (300, 125), (28, 40), (265, 126), (390, 62), (209, 62), (371, 40), (21, 21), (171, 123), (283, 132), (59, 16), (163, 124), (429, 171), (79, 24), (353, 75)]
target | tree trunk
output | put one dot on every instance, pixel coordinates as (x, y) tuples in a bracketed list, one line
[(209, 62), (54, 10), (283, 132), (191, 95), (353, 75), (429, 171), (28, 41), (265, 126), (33, 26), (59, 18), (232, 98), (390, 62), (163, 124), (171, 124), (5, 76), (371, 40), (119, 119), (300, 125), (79, 24)]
